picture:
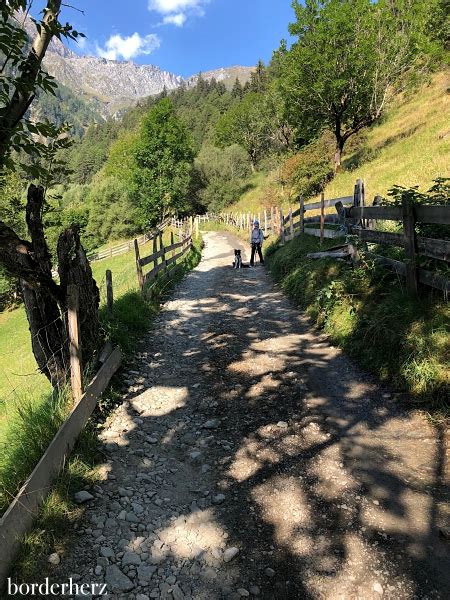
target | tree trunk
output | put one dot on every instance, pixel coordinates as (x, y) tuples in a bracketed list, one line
[(74, 269), (338, 154), (47, 328), (45, 301)]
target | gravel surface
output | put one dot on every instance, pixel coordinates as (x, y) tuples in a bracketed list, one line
[(252, 459)]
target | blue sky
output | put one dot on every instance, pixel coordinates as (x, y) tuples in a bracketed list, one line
[(182, 36)]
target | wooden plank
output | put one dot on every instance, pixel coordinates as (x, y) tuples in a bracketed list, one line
[(302, 215), (282, 232), (152, 257), (377, 213), (76, 379), (439, 249), (19, 517), (327, 233), (438, 214), (425, 277), (409, 233), (346, 200), (291, 224), (434, 280), (322, 216), (109, 291), (391, 263), (140, 275), (432, 248), (378, 237)]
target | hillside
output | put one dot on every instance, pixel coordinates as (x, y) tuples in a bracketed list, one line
[(411, 146)]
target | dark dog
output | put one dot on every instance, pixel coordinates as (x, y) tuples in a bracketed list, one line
[(238, 264)]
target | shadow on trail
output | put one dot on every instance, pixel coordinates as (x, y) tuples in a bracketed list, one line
[(321, 474)]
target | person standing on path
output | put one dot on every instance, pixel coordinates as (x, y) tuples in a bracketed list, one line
[(256, 241)]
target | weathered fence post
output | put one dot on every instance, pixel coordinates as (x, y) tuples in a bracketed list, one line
[(265, 221), (291, 224), (155, 250), (302, 215), (410, 244), (109, 291), (282, 236), (163, 252), (140, 275), (322, 217), (76, 380)]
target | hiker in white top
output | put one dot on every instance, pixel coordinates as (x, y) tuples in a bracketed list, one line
[(256, 240)]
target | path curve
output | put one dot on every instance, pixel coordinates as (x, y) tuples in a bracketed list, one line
[(252, 459)]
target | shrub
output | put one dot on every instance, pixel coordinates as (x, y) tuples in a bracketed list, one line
[(307, 173)]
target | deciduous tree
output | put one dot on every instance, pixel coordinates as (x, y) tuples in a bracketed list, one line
[(351, 56)]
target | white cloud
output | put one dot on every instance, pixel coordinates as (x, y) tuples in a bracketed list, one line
[(178, 19), (173, 6), (129, 47), (176, 12)]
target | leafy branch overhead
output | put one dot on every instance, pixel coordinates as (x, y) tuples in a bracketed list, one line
[(21, 77)]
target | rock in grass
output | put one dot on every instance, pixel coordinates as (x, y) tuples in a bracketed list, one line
[(83, 496), (54, 559), (378, 588), (230, 553), (218, 499), (117, 581)]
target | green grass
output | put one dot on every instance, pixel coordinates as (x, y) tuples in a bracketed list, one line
[(367, 312), (410, 147)]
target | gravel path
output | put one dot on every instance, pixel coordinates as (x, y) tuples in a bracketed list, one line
[(252, 459)]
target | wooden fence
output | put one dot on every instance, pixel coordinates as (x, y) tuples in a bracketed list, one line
[(164, 258), (126, 246), (19, 517), (352, 216)]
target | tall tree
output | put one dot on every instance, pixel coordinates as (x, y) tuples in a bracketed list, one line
[(249, 124), (237, 92), (258, 78), (350, 58), (164, 159)]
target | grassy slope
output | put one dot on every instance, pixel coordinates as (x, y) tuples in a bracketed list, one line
[(367, 312), (410, 147)]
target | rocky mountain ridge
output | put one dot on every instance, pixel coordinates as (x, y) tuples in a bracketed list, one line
[(110, 86)]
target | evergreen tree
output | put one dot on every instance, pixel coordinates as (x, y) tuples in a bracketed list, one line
[(237, 91), (258, 78)]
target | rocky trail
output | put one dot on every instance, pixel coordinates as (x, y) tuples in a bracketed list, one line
[(252, 459)]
